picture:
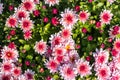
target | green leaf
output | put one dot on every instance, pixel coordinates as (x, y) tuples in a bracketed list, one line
[(22, 41), (27, 47)]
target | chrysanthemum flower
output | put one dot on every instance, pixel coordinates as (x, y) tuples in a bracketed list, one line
[(16, 71), (117, 44), (5, 77), (103, 72), (9, 54), (26, 24), (27, 35), (115, 75), (20, 13), (83, 68), (69, 45), (59, 59), (106, 16), (69, 18), (7, 67), (56, 40), (1, 8), (40, 47), (11, 22), (66, 33), (29, 74), (67, 72), (58, 51), (51, 2), (83, 16), (22, 77), (52, 65), (101, 57), (28, 5)]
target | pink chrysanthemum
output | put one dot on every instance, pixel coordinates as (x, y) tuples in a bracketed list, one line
[(101, 57), (115, 75), (7, 67), (59, 59), (69, 45), (52, 65), (26, 24), (36, 1), (66, 33), (56, 40), (16, 71), (106, 16), (83, 16), (29, 74), (83, 68), (27, 35), (20, 13), (40, 47), (9, 54), (103, 72), (114, 31), (11, 22), (67, 72), (5, 77), (51, 2), (58, 51), (69, 18), (117, 44), (28, 5)]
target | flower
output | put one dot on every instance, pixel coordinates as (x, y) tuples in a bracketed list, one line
[(58, 51), (40, 47), (12, 45), (69, 18), (26, 24), (16, 71), (29, 74), (20, 13), (45, 19), (9, 54), (54, 21), (12, 32), (28, 5), (101, 57), (116, 44), (54, 11), (5, 77), (11, 22), (11, 7), (52, 65), (66, 33), (83, 68), (83, 16), (106, 16), (67, 72), (27, 35), (103, 72), (36, 13), (1, 8), (7, 67), (51, 2)]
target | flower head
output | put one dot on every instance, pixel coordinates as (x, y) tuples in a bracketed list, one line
[(11, 22), (69, 18), (51, 2), (106, 16)]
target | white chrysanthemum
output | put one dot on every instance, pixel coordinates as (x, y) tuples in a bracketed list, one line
[(106, 16), (69, 18), (51, 2)]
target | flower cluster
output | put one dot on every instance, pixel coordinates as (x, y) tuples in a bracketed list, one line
[(9, 69)]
